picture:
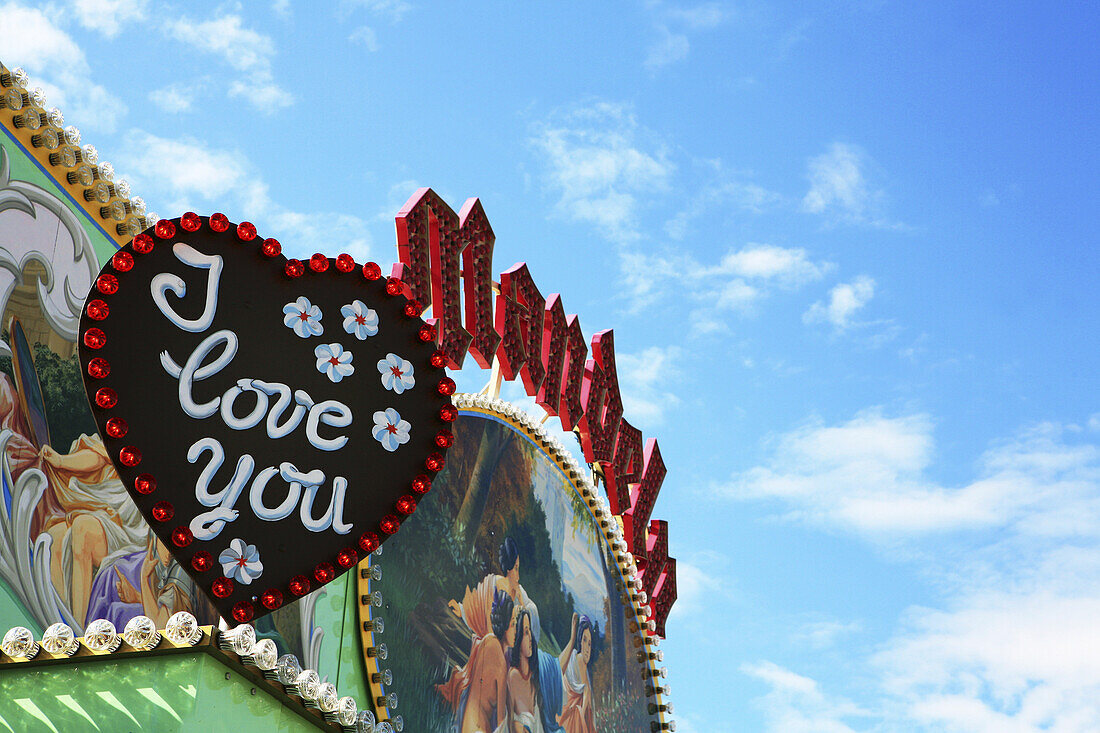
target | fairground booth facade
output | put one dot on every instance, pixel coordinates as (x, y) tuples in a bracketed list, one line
[(240, 491)]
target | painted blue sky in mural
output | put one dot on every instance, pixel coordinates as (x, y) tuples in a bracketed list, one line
[(848, 251)]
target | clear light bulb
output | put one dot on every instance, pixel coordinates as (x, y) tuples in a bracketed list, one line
[(398, 723), (376, 598), (309, 684), (239, 640), (60, 639), (19, 643), (72, 135), (287, 668), (327, 697), (101, 636), (264, 655), (91, 155), (391, 700), (376, 572), (38, 97), (19, 77), (346, 711), (55, 118), (141, 633), (364, 722), (183, 629)]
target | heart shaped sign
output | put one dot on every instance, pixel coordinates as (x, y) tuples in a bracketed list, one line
[(273, 421)]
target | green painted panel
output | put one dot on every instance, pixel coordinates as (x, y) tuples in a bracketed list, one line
[(178, 692)]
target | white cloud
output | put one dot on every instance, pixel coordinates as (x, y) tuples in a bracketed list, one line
[(822, 634), (186, 175), (393, 9), (1000, 661), (845, 300), (735, 284), (108, 16), (281, 8), (796, 704), (669, 48), (839, 188), (748, 197), (870, 475), (703, 586), (57, 63), (644, 380), (673, 24), (243, 49), (366, 36), (174, 98), (598, 164)]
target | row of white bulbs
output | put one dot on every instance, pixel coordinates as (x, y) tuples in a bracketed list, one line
[(49, 132), (602, 512), (183, 629)]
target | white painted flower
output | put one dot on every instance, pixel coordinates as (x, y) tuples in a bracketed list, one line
[(397, 374), (241, 562), (390, 430), (333, 361), (303, 317), (359, 319)]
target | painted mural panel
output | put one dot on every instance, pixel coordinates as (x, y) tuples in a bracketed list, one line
[(501, 606), (72, 545)]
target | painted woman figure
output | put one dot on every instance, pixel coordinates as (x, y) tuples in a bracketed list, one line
[(89, 515), (476, 691), (477, 603), (524, 691), (577, 715)]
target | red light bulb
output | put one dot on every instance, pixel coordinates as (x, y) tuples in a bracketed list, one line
[(122, 261), (439, 359), (98, 310), (182, 536), (427, 333), (372, 271), (163, 511), (448, 413), (143, 244), (243, 611), (389, 524), (98, 368), (434, 462), (318, 262), (106, 398), (107, 284), (116, 427), (190, 221), (145, 484), (368, 542), (246, 231), (129, 456), (222, 587), (446, 386), (219, 222), (272, 247), (165, 229), (324, 572), (294, 268), (94, 338), (271, 598), (394, 286), (406, 504), (299, 585), (346, 558), (444, 439), (202, 561), (344, 263), (413, 309), (421, 484)]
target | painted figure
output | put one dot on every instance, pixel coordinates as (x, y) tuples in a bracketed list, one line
[(477, 603), (524, 691), (577, 715), (478, 691), (90, 517)]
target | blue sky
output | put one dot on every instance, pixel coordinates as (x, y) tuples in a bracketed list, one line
[(847, 248)]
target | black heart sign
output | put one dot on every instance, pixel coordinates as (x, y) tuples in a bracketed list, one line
[(273, 420)]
